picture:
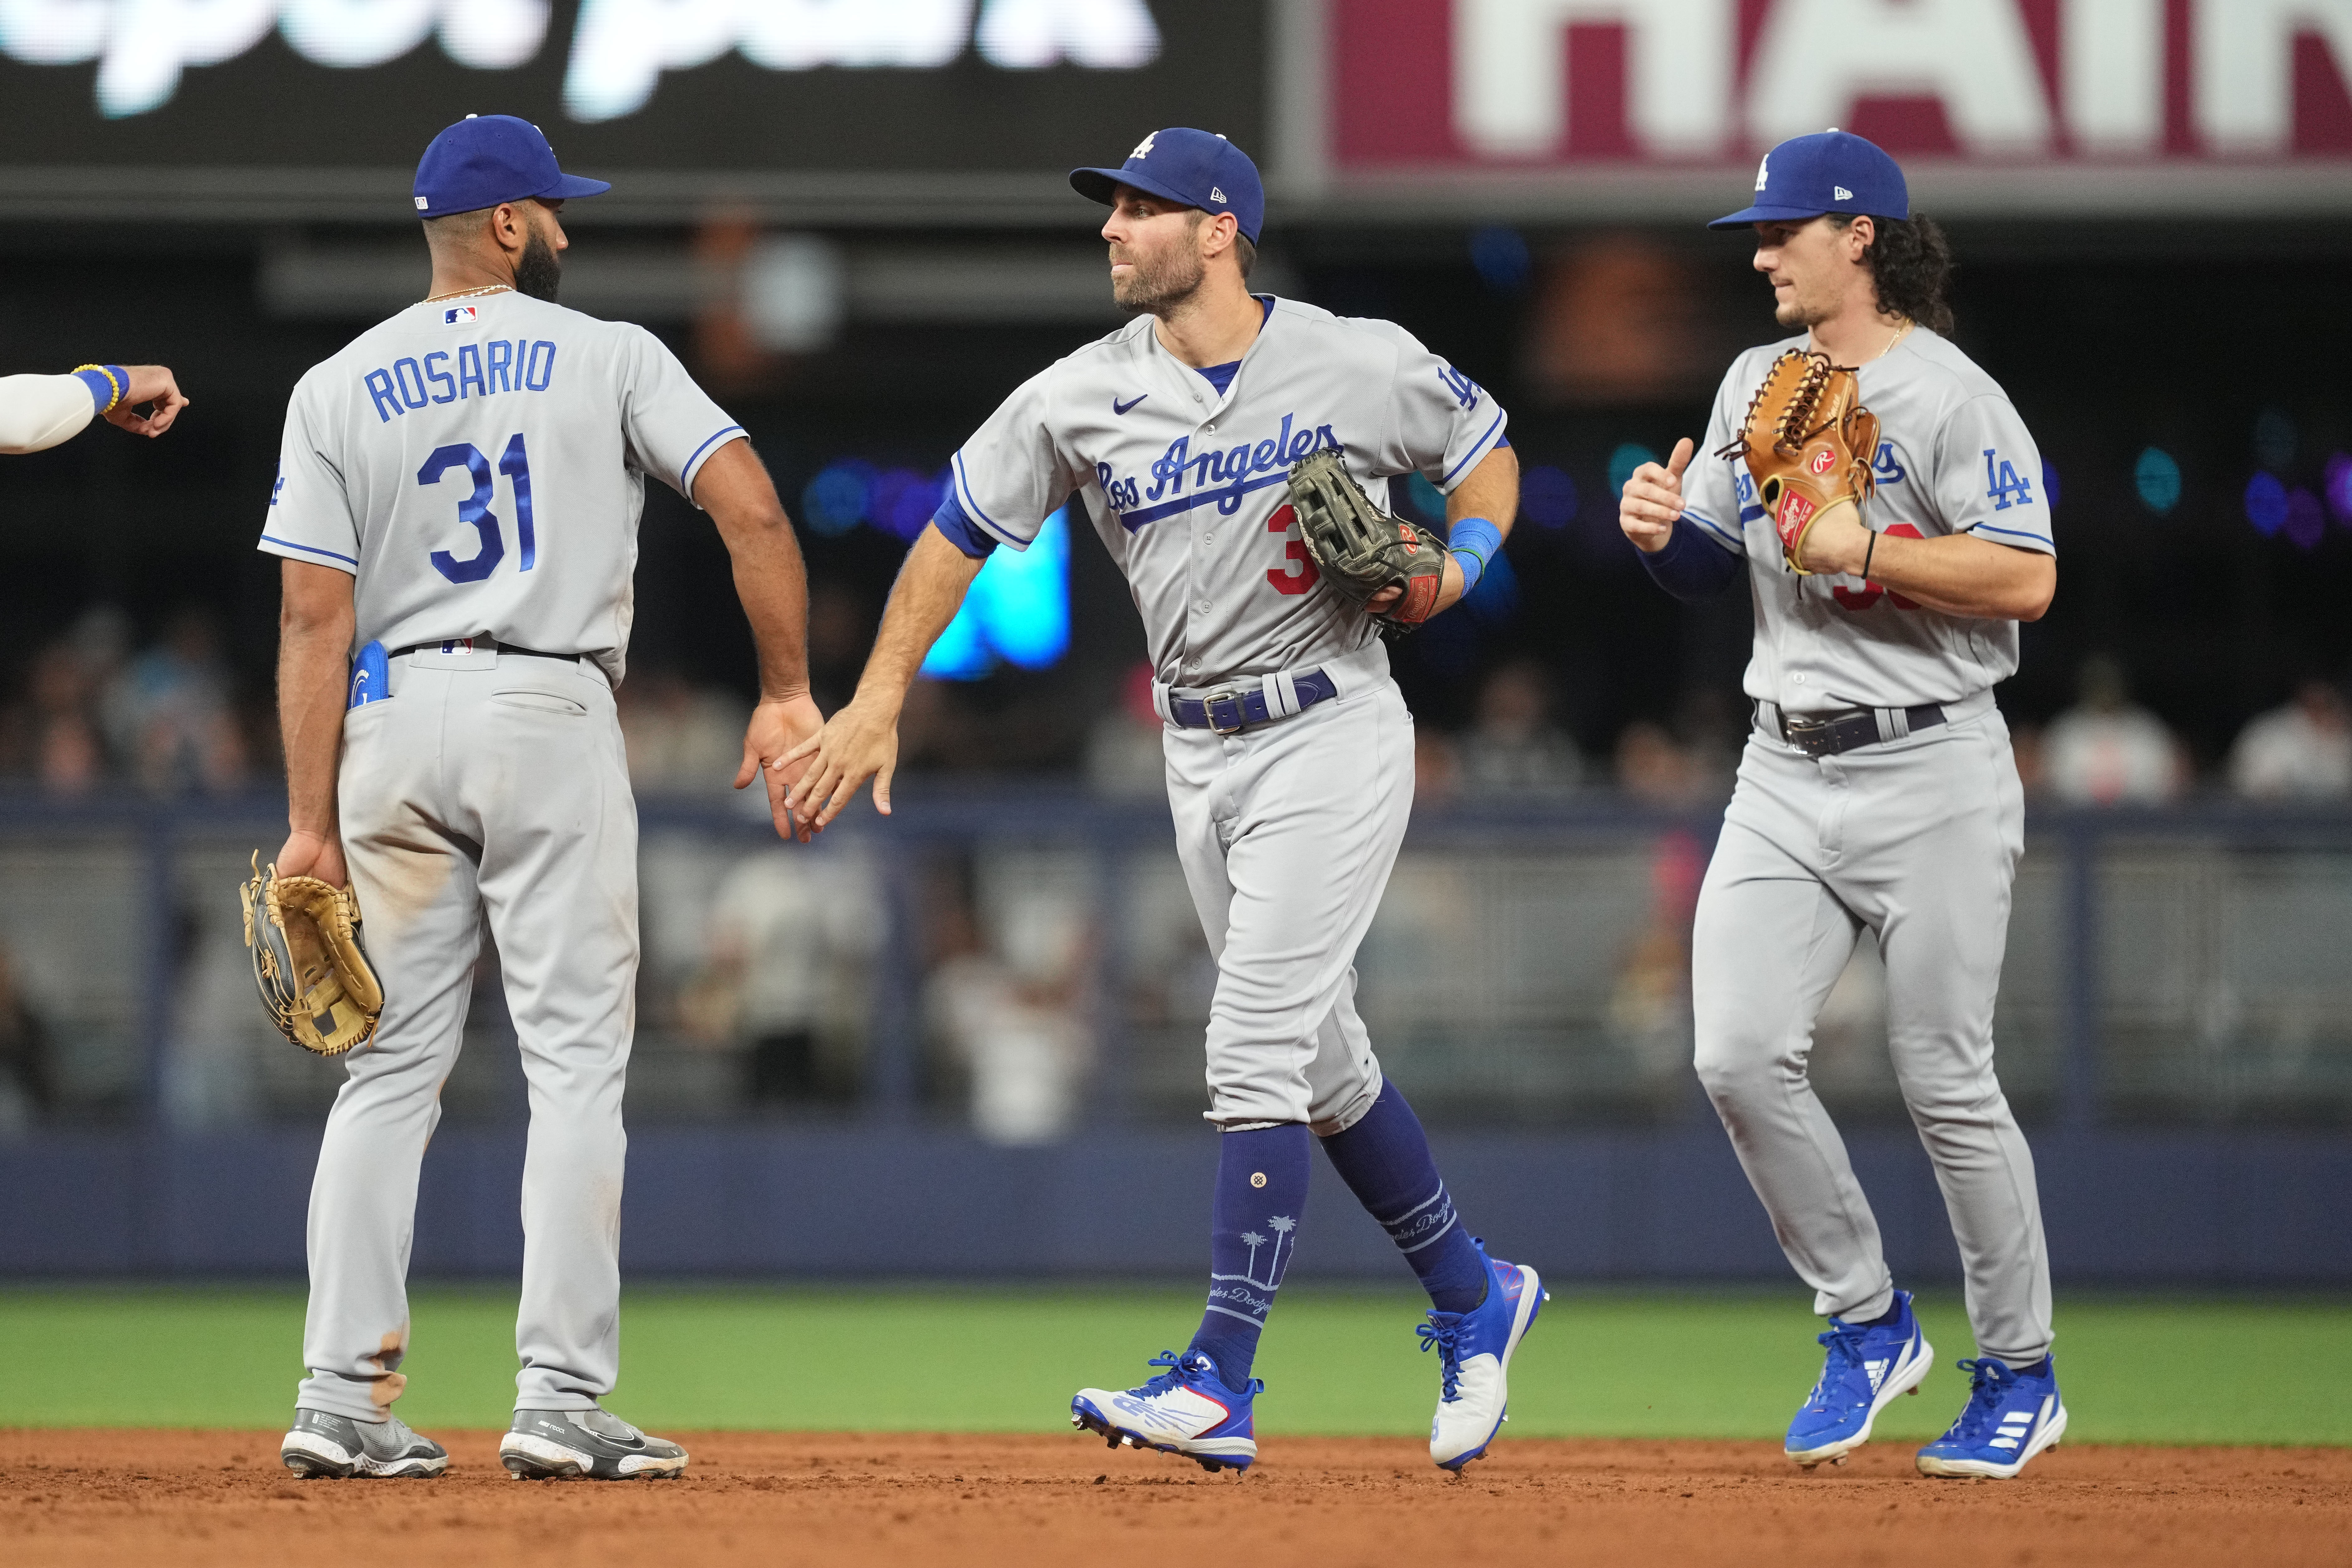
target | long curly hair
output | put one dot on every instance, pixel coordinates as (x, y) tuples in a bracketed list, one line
[(1911, 263)]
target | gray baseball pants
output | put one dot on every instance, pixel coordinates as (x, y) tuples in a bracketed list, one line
[(1918, 839), (488, 785), (1287, 833)]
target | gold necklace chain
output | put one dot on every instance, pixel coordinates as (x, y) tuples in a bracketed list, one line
[(1901, 333), (469, 293)]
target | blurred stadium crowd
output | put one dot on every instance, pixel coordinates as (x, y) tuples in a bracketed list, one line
[(158, 709)]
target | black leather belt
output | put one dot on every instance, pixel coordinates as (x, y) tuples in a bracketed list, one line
[(1827, 735), (1230, 710), (444, 645)]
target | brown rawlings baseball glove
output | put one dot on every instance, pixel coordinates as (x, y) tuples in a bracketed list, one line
[(1809, 444), (1358, 549), (314, 976)]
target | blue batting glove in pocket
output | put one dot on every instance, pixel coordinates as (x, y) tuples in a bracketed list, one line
[(371, 676)]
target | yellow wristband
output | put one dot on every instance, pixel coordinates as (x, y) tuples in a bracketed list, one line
[(108, 372)]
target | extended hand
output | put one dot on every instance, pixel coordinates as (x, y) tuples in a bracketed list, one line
[(860, 742), (150, 384), (1653, 500), (306, 854), (777, 727)]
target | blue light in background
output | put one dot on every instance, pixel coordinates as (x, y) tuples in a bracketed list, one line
[(2157, 479), (2338, 489), (1632, 455), (2266, 504), (1501, 257), (904, 501), (1017, 611), (1548, 497), (2050, 483), (836, 498), (2306, 520)]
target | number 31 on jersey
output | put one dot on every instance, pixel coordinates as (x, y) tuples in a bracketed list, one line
[(474, 510)]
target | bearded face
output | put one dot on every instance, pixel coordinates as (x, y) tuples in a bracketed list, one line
[(1156, 262)]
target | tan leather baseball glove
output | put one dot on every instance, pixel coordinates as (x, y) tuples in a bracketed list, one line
[(313, 973), (1809, 444)]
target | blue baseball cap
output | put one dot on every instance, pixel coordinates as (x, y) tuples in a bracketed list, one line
[(1197, 168), (486, 159), (1828, 171)]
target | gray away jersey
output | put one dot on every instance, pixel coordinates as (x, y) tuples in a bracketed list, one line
[(1186, 487), (478, 467), (1953, 457)]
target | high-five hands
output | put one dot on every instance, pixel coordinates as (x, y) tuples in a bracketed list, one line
[(781, 730), (860, 742)]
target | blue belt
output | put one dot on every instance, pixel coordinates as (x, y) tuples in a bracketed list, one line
[(1830, 735), (1230, 710)]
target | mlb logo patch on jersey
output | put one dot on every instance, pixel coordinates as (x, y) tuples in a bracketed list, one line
[(459, 316)]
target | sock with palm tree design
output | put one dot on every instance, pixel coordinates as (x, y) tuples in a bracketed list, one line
[(1252, 1229), (1384, 1158)]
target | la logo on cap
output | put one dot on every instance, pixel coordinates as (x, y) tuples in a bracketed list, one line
[(1143, 148), (1764, 170)]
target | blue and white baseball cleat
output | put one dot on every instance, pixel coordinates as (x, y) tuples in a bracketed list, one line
[(2010, 1417), (1185, 1410), (1866, 1367), (1473, 1350)]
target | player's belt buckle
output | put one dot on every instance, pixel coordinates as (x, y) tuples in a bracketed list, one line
[(1814, 737), (1224, 710)]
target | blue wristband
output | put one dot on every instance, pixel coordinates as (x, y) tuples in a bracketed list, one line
[(1474, 543), (107, 383)]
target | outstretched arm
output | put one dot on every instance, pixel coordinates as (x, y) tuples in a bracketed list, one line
[(733, 487), (315, 619), (38, 412), (862, 741)]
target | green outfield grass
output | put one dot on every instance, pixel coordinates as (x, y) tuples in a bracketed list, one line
[(1648, 1363)]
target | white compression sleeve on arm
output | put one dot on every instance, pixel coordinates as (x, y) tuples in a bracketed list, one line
[(40, 411)]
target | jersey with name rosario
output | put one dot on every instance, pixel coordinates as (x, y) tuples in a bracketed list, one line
[(478, 466), (1953, 457), (1185, 483)]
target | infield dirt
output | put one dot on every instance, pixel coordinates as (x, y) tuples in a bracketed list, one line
[(196, 1499)]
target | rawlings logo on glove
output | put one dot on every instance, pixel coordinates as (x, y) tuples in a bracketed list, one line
[(1809, 444), (1360, 549)]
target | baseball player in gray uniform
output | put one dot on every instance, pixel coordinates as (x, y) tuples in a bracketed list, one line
[(1877, 790), (1289, 750), (457, 506)]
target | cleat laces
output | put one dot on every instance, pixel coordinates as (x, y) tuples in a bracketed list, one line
[(1843, 1342), (1982, 1412), (1444, 1332), (1179, 1375)]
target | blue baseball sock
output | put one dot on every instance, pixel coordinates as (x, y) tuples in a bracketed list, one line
[(1252, 1230), (1384, 1158)]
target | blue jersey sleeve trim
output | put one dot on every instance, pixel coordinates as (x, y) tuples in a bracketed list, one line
[(960, 531), (310, 550), (2012, 532), (1729, 538), (686, 474), (1478, 449), (972, 510)]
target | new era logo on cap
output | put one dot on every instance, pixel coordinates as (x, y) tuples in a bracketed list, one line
[(1841, 193), (1215, 194)]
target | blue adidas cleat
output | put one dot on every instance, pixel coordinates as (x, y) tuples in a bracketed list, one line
[(1866, 1367), (1185, 1410), (1473, 1350), (2010, 1417)]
